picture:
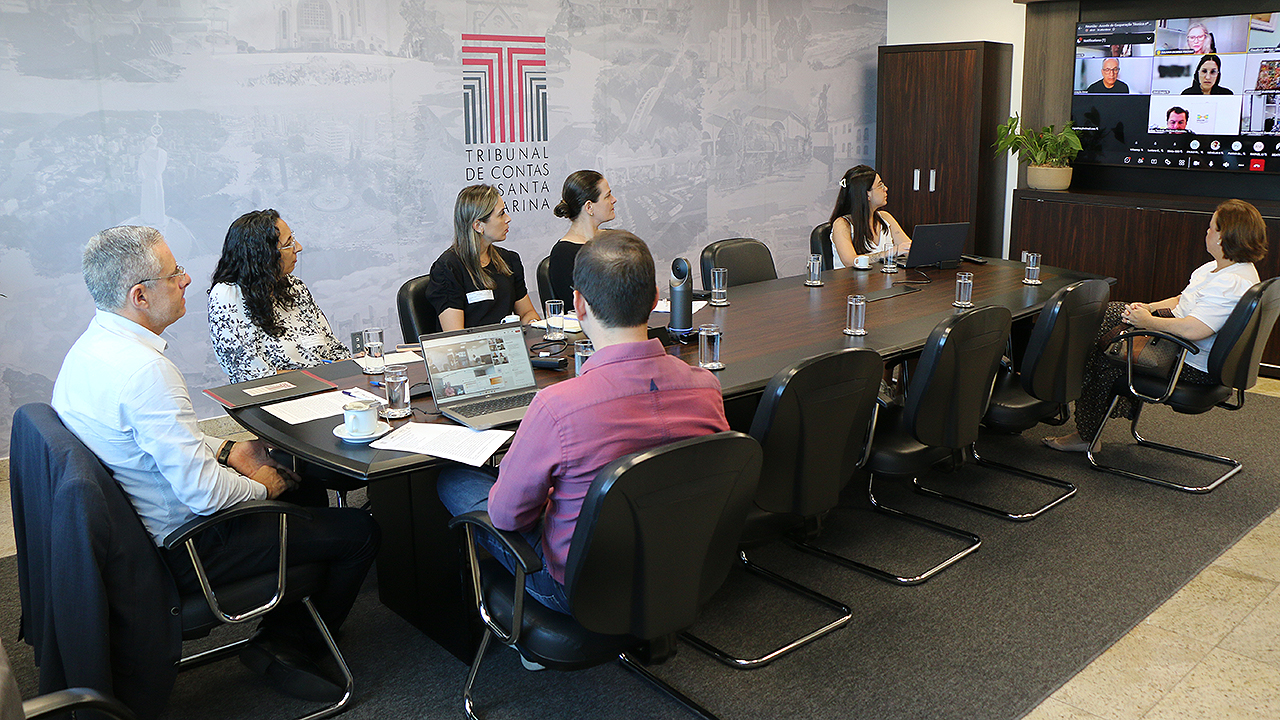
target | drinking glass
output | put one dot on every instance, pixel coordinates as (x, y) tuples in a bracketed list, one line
[(1033, 269), (855, 318), (396, 380), (709, 347), (555, 320), (582, 351), (719, 286), (373, 351), (964, 290), (815, 271), (890, 261)]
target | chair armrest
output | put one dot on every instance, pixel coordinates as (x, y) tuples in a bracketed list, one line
[(62, 701), (1186, 344), (250, 507), (514, 542)]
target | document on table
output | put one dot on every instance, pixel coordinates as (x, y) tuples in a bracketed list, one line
[(395, 358), (451, 442), (664, 305), (571, 324), (314, 407)]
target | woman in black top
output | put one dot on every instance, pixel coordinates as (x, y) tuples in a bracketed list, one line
[(1208, 75), (587, 202), (475, 282)]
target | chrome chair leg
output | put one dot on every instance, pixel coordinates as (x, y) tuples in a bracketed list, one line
[(467, 705), (1235, 465), (348, 680), (627, 662), (974, 543), (758, 662), (1006, 514)]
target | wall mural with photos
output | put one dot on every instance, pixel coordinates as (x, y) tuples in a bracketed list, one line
[(359, 120)]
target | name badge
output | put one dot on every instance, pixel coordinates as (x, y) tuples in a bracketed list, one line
[(479, 296), (311, 342)]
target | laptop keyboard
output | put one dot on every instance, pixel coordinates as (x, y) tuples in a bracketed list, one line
[(487, 407)]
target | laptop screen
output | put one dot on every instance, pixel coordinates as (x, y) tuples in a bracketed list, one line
[(474, 363)]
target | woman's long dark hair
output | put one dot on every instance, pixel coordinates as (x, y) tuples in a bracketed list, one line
[(251, 260), (852, 201), (1208, 57)]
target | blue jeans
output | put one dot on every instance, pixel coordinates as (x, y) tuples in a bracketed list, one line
[(465, 489)]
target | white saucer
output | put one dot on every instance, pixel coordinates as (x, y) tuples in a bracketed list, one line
[(380, 430)]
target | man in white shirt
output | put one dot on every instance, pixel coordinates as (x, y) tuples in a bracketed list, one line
[(129, 404)]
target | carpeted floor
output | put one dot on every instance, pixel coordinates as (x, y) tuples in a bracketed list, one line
[(988, 638)]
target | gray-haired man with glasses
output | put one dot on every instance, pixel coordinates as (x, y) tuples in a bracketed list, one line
[(129, 404)]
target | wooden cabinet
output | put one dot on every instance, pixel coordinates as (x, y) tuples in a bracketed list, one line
[(937, 111), (1149, 243)]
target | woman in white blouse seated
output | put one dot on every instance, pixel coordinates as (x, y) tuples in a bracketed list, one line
[(262, 319), (858, 225), (1236, 239)]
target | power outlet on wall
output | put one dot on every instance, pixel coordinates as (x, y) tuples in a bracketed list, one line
[(357, 342)]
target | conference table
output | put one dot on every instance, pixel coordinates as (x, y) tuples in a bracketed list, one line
[(767, 326)]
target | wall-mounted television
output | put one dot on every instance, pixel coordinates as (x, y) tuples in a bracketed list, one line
[(1192, 93)]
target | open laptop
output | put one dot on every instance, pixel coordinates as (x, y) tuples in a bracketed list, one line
[(480, 377), (935, 244)]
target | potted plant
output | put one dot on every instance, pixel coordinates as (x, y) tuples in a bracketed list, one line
[(1048, 152)]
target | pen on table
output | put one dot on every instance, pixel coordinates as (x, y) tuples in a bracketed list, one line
[(375, 383)]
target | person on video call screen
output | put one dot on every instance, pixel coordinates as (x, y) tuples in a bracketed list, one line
[(1110, 82)]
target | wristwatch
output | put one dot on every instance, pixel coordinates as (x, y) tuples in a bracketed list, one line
[(224, 452)]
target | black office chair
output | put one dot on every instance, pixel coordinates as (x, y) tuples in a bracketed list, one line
[(1052, 370), (545, 292), (656, 537), (417, 316), (68, 508), (58, 703), (937, 418), (820, 244), (1233, 361), (747, 260), (814, 422)]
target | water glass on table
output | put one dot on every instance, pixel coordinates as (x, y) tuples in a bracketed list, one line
[(373, 363), (396, 379), (1033, 269), (815, 271), (719, 287), (855, 319), (582, 351), (555, 320), (964, 290), (709, 347), (890, 260)]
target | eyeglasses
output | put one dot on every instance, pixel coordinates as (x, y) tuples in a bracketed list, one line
[(291, 245), (1110, 70), (177, 273)]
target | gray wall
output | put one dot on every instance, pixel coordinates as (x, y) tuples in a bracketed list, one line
[(710, 118)]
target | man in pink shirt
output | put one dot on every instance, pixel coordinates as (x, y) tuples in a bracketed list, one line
[(631, 396)]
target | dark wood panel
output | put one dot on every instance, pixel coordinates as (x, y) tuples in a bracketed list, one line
[(1119, 242), (1181, 251)]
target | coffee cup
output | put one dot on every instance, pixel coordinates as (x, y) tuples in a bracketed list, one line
[(862, 262), (360, 417)]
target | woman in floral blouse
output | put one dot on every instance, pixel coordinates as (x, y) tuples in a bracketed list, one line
[(262, 319)]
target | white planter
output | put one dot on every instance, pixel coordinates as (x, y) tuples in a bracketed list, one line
[(1048, 178)]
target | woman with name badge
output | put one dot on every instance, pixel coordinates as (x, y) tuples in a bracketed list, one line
[(587, 201), (861, 232), (476, 282), (262, 319)]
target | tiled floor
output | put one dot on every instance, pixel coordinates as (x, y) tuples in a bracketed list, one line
[(1211, 651)]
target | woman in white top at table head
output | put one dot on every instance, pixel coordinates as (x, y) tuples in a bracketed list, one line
[(859, 225)]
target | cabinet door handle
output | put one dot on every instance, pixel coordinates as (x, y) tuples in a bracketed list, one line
[(915, 183), (933, 179)]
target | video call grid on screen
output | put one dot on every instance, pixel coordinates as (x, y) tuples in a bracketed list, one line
[(476, 366), (1187, 93)]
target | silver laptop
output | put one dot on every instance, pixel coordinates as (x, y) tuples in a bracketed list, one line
[(480, 377), (934, 244)]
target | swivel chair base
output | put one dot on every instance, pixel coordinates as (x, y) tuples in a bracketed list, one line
[(998, 512), (758, 662), (1235, 465), (974, 543)]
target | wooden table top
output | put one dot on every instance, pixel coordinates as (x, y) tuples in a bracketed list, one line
[(767, 326)]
